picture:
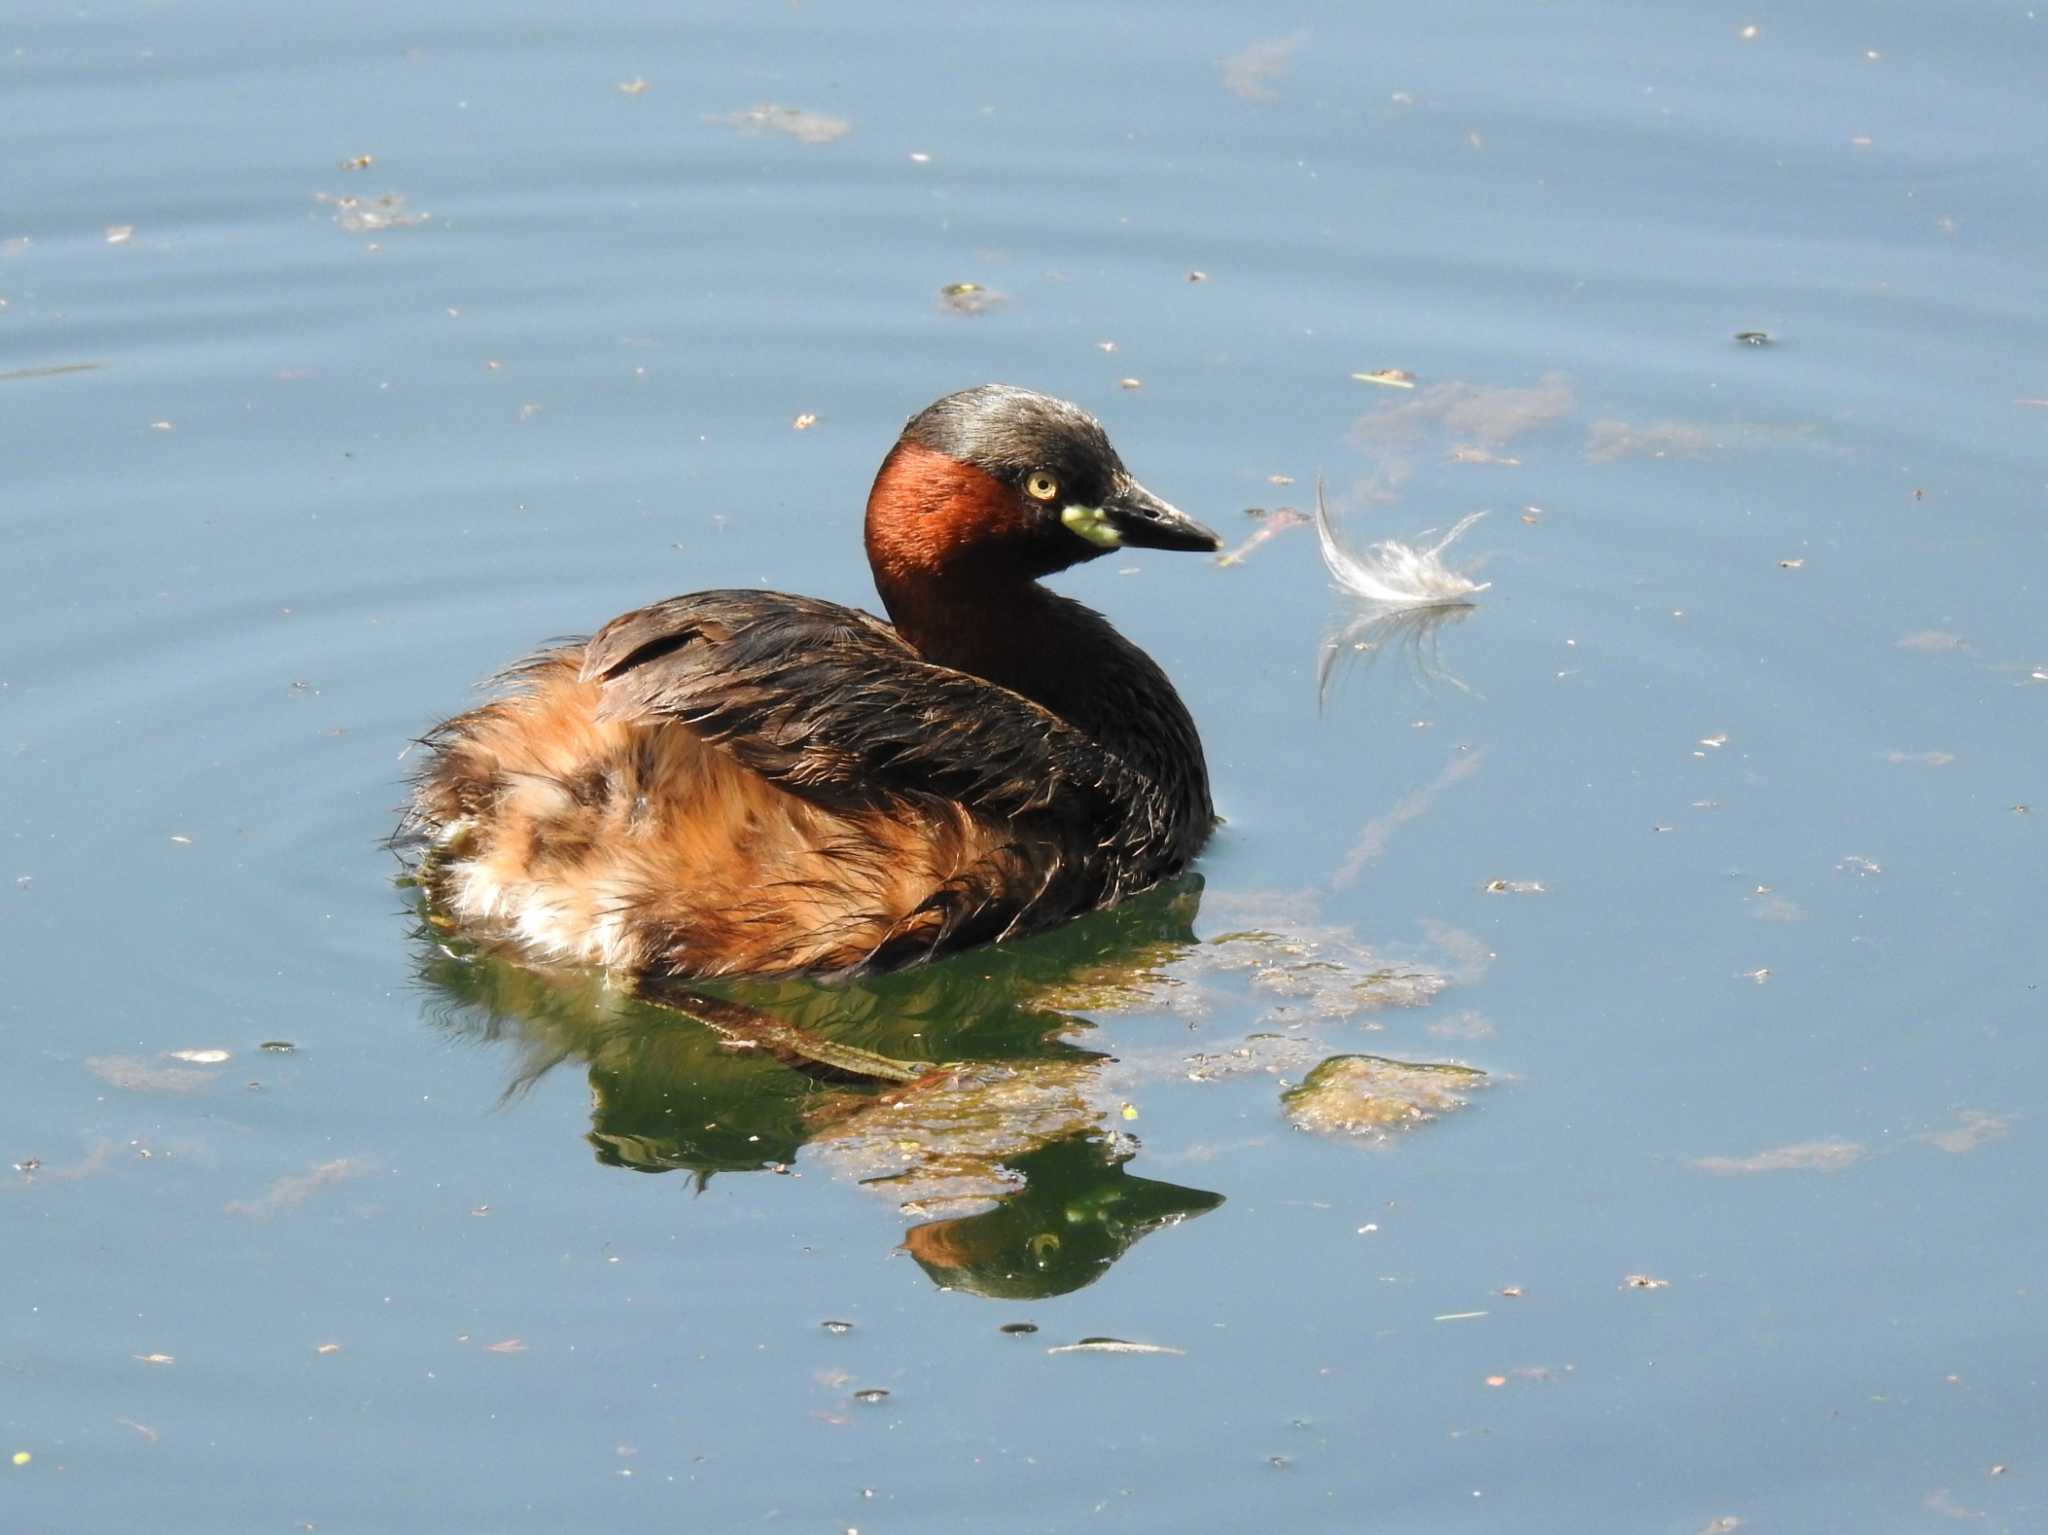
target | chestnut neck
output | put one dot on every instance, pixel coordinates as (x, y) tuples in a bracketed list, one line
[(956, 562)]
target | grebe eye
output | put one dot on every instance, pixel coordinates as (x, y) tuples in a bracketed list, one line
[(1041, 486)]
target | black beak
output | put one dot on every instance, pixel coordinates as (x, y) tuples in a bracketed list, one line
[(1143, 521)]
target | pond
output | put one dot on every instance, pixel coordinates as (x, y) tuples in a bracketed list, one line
[(1588, 1081)]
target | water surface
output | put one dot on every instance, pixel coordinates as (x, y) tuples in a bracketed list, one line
[(1756, 698)]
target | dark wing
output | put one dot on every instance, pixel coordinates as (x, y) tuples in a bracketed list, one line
[(834, 706)]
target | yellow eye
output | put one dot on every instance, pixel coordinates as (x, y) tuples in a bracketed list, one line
[(1041, 486)]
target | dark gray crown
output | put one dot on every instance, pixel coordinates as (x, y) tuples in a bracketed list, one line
[(1010, 431)]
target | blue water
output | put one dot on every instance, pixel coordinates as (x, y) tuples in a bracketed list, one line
[(1760, 616)]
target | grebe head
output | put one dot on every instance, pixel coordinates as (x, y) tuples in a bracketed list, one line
[(997, 484)]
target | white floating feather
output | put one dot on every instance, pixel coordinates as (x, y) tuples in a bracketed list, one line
[(1397, 574)]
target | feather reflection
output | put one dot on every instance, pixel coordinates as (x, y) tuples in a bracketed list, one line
[(1363, 637)]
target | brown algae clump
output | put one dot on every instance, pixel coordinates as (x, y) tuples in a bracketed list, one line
[(1374, 1097)]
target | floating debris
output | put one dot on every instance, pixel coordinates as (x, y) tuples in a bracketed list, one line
[(328, 1348), (139, 1076), (1198, 277), (804, 127), (1396, 574), (371, 215), (1113, 1346), (1472, 453), (954, 1150), (278, 1046), (1271, 525), (1607, 441), (633, 87), (1245, 74), (1772, 907), (506, 1346), (154, 1358), (1372, 840), (1975, 1130), (1389, 378), (1373, 1096), (1803, 1156), (804, 422), (1516, 887), (1754, 337), (199, 1057), (871, 1395), (50, 371), (1018, 1329), (293, 1190), (840, 1328), (1466, 1025), (1130, 383), (1790, 564), (1321, 973), (1644, 1282), (970, 298), (1932, 641), (358, 162), (1492, 415), (741, 1028), (120, 234)]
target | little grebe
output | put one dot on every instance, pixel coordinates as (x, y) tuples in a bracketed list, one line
[(745, 782)]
